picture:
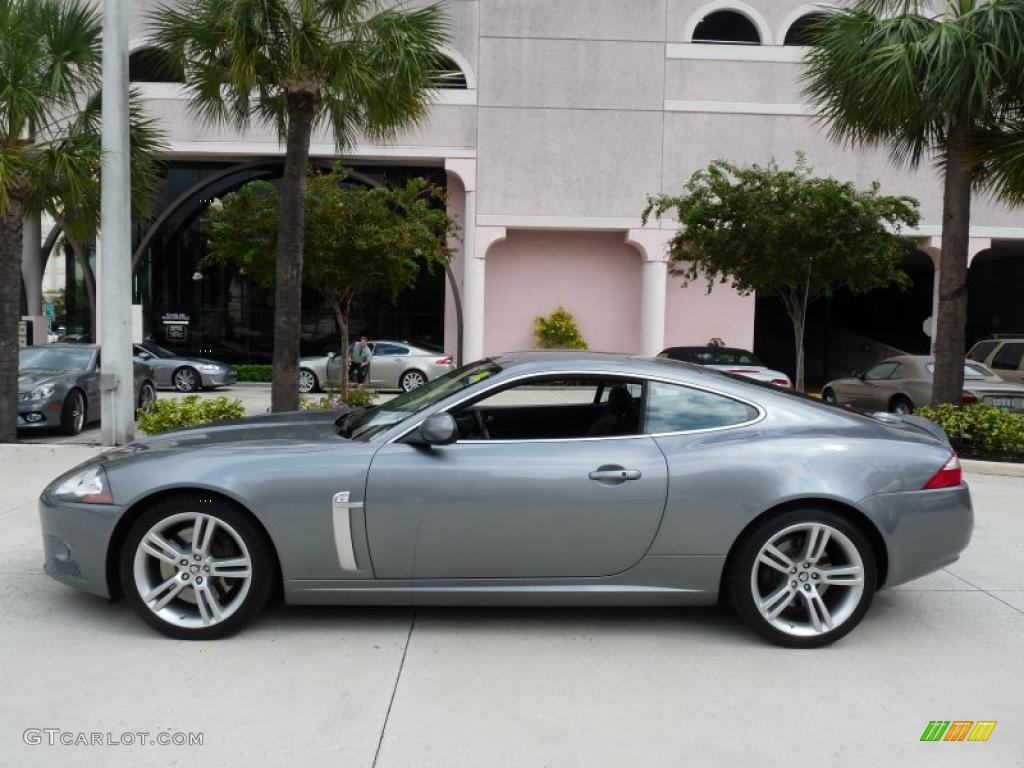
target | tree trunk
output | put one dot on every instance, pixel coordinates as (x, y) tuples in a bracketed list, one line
[(284, 394), (10, 303), (796, 314), (341, 315), (82, 257), (951, 323)]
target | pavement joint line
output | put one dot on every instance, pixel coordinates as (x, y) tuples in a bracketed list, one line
[(987, 592), (16, 507), (394, 690)]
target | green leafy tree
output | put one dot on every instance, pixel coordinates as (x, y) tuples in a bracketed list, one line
[(357, 240), (49, 54), (786, 233), (928, 81), (356, 67)]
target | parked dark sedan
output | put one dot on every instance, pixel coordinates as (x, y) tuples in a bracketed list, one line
[(59, 386)]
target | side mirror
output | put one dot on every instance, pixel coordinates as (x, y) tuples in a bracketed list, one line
[(331, 355), (858, 374), (438, 429)]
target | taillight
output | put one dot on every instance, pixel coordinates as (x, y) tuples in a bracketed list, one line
[(949, 476), (782, 383), (446, 360), (968, 398)]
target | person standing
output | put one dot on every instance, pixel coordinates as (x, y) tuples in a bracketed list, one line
[(361, 354)]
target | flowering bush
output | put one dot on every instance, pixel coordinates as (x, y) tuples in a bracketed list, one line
[(558, 331), (177, 413), (980, 428)]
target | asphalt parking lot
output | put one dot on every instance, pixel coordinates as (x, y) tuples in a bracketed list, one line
[(470, 687)]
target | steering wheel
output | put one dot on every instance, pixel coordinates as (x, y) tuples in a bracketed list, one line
[(481, 426)]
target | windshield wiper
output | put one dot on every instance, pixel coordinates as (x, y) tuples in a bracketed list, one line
[(344, 423)]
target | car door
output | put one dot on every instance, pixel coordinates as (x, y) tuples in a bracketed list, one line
[(871, 394), (547, 502), (387, 364), (90, 381)]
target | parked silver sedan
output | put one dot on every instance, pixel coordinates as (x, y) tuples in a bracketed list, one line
[(524, 479), (394, 365), (730, 360), (901, 384), (185, 374), (59, 386)]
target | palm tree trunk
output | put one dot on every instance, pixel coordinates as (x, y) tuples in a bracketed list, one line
[(951, 323), (284, 395), (10, 303), (82, 257)]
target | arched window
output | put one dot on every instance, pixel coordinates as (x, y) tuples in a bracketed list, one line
[(448, 75), (730, 27), (802, 31), (151, 65)]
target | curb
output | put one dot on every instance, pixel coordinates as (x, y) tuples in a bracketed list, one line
[(1004, 468)]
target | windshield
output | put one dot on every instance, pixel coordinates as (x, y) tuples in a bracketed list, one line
[(54, 359), (971, 371), (373, 421), (156, 349), (715, 356)]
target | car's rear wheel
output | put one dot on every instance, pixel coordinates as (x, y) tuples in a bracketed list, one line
[(829, 396), (307, 381), (901, 405), (196, 568), (72, 414), (147, 395), (412, 380), (804, 578), (186, 379)]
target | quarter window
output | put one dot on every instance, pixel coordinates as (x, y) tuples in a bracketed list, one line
[(674, 408), (1008, 358), (981, 350)]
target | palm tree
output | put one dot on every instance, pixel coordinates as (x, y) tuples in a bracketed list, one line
[(947, 86), (357, 67), (68, 186), (49, 54)]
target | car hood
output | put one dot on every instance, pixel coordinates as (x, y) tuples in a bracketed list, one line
[(29, 380)]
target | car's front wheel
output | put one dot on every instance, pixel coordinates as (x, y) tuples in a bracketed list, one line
[(72, 414), (196, 568), (803, 578), (186, 380)]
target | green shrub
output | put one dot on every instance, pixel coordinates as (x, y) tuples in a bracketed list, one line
[(980, 428), (170, 413), (558, 331), (254, 372), (332, 400)]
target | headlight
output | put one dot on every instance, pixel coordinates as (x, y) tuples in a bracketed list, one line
[(87, 487), (208, 368), (39, 393)]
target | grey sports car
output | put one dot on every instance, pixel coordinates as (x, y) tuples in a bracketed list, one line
[(59, 386), (531, 478), (185, 374)]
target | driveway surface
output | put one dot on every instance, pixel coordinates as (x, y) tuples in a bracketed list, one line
[(512, 687)]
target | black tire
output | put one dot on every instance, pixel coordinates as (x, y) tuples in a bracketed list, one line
[(70, 424), (412, 374), (147, 395), (186, 379), (738, 579), (263, 565), (829, 396), (901, 404)]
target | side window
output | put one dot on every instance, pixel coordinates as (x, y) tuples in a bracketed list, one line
[(675, 408), (564, 408), (1008, 358), (897, 372), (981, 350), (880, 371)]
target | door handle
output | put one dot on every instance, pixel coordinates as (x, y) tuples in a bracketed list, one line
[(614, 475)]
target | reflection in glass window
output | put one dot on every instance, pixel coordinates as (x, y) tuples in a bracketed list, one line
[(672, 408)]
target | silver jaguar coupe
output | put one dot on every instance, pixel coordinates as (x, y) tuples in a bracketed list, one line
[(535, 478)]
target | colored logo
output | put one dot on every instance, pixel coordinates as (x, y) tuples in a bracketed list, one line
[(958, 730)]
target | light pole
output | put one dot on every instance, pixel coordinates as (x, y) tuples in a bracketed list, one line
[(114, 259)]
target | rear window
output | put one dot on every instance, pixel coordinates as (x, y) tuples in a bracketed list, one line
[(971, 370), (1009, 356), (712, 356), (981, 350)]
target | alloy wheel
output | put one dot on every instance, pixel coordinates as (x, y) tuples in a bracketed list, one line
[(185, 380), (807, 579), (307, 381), (192, 570), (77, 413), (146, 396), (412, 379)]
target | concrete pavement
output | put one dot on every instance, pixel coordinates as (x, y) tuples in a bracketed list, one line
[(390, 687)]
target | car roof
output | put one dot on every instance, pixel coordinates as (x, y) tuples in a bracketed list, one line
[(707, 348)]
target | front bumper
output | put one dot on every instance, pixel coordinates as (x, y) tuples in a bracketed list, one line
[(923, 530), (75, 542), (221, 379), (40, 414)]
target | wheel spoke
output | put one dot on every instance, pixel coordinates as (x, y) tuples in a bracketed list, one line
[(817, 611), (817, 540), (777, 601), (775, 558), (231, 568), (156, 545), (843, 575), (202, 534), (209, 605), (164, 592)]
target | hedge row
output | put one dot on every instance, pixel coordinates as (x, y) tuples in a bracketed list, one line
[(254, 372), (980, 430)]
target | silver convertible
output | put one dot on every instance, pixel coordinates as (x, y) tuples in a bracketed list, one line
[(531, 478)]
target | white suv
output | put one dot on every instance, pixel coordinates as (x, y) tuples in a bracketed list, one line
[(1003, 354)]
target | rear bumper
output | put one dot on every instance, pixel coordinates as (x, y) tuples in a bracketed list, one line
[(923, 530)]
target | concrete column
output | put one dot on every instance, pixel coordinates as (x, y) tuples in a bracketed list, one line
[(653, 247), (117, 380), (32, 275), (474, 284)]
